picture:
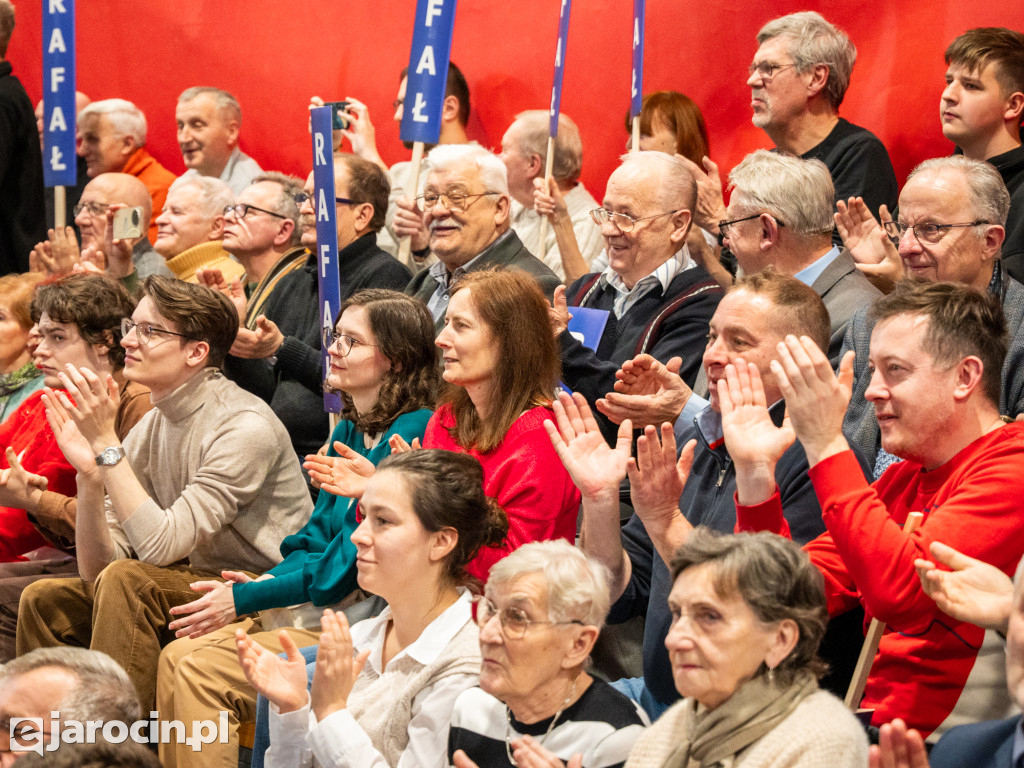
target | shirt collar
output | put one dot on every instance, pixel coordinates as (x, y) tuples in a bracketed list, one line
[(663, 274), (444, 278), (813, 271)]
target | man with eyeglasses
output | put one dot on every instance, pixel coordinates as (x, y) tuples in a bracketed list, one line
[(951, 225), (208, 476), (129, 260), (658, 300), (465, 206), (280, 358)]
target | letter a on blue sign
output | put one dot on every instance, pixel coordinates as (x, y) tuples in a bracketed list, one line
[(60, 168), (428, 71), (328, 279)]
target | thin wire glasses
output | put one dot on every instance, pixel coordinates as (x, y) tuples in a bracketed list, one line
[(623, 221), (145, 331), (925, 232), (344, 342), (514, 621)]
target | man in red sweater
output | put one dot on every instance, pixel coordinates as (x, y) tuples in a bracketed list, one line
[(936, 354)]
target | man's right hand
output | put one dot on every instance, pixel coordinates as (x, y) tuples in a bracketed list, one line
[(597, 469), (213, 278), (710, 208), (868, 242), (647, 392), (971, 590), (408, 222), (58, 254)]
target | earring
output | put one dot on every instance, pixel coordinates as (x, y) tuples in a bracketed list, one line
[(771, 674)]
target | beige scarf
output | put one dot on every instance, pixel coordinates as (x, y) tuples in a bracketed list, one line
[(757, 706)]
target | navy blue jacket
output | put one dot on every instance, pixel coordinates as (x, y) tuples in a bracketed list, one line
[(979, 745)]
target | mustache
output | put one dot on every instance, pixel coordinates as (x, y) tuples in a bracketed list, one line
[(446, 222)]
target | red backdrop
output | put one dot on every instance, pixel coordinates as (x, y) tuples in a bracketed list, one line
[(274, 55)]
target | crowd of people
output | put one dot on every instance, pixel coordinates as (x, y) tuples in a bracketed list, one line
[(626, 483)]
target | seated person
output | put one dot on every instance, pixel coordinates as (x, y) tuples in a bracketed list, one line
[(210, 476), (19, 376), (190, 228), (748, 614), (79, 317), (425, 517), (549, 600), (501, 367), (658, 300), (935, 360), (384, 362)]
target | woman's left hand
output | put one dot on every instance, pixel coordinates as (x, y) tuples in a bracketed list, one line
[(336, 669), (398, 444), (530, 753), (210, 612)]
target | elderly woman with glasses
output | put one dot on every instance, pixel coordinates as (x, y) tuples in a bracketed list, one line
[(539, 617), (748, 615)]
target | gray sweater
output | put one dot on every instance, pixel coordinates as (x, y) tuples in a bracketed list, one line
[(224, 484)]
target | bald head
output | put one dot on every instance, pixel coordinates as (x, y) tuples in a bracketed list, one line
[(99, 194)]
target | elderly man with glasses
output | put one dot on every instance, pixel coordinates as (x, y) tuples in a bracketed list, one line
[(653, 297), (466, 209)]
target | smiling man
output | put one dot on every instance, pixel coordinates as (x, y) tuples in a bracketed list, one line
[(658, 300), (950, 228), (209, 120), (466, 208), (208, 476)]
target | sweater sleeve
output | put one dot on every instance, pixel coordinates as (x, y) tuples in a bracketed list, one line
[(301, 362)]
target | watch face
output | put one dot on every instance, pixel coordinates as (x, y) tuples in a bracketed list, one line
[(110, 456)]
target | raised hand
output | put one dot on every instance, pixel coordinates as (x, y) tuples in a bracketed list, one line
[(408, 222), (76, 448), (281, 681), (898, 747), (118, 252), (647, 392), (657, 477), (398, 444), (361, 133), (972, 590), (19, 487), (343, 475), (710, 208), (595, 468), (868, 243), (95, 405), (258, 344), (215, 609), (336, 667), (559, 312), (548, 200)]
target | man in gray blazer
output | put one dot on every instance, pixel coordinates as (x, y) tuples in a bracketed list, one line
[(465, 206), (780, 215)]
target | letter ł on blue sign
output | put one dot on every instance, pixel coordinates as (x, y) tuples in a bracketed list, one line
[(556, 87), (637, 81), (428, 71), (60, 168), (328, 279)]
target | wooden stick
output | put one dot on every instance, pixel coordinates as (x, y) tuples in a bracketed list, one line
[(60, 208), (549, 163), (874, 636), (411, 188), (635, 146)]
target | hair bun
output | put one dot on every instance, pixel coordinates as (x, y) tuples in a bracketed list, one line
[(496, 528)]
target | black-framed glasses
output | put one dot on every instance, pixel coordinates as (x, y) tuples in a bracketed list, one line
[(623, 221), (345, 343), (926, 231), (513, 621), (453, 202), (766, 70), (96, 209), (145, 331), (241, 210), (300, 198), (724, 225)]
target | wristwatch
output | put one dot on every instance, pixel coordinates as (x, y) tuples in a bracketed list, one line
[(110, 456)]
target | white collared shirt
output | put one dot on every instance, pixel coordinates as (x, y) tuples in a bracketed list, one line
[(665, 273)]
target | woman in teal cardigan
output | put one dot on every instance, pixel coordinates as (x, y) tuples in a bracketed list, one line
[(383, 361)]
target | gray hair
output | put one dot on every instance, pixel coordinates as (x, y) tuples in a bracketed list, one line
[(124, 117), (286, 205), (448, 157), (6, 25), (534, 127), (577, 586), (986, 191), (775, 578), (103, 691), (670, 179), (814, 41), (795, 191), (214, 194), (225, 101)]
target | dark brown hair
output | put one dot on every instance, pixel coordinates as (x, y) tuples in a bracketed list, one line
[(403, 331), (775, 578), (456, 86), (679, 114), (801, 310), (198, 312), (93, 303), (512, 306), (962, 322), (447, 490), (367, 183)]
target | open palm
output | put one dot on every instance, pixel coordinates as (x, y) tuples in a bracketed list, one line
[(594, 467)]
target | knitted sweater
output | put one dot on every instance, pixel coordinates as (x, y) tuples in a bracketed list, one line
[(210, 254), (820, 733), (224, 486)]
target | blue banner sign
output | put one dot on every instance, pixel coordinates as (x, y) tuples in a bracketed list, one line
[(328, 279), (556, 88), (60, 168), (637, 80), (428, 71)]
